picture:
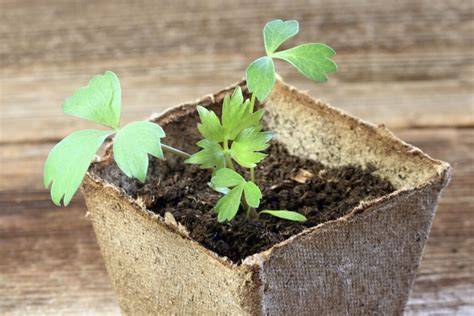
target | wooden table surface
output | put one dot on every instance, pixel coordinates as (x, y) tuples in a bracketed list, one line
[(407, 64)]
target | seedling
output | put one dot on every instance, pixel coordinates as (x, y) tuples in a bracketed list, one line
[(239, 137), (100, 102), (236, 137), (312, 60)]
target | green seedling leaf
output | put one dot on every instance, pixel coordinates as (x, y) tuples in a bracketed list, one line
[(226, 178), (68, 161), (133, 143), (247, 146), (210, 126), (261, 77), (228, 205), (252, 194), (312, 60), (276, 32), (237, 115), (99, 101), (211, 155), (217, 189), (289, 215)]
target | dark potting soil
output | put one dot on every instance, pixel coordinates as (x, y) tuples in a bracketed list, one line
[(327, 194)]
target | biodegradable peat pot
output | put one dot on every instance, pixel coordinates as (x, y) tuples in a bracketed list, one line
[(362, 263)]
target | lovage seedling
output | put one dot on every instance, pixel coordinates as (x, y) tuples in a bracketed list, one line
[(312, 60), (100, 102), (237, 137)]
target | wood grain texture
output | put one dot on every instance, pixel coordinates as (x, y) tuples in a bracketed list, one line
[(403, 63), (51, 263)]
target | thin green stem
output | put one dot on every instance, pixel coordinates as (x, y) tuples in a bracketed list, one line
[(252, 102), (228, 159), (175, 151), (252, 105), (250, 211)]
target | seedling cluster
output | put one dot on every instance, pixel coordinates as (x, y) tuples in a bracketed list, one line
[(233, 142)]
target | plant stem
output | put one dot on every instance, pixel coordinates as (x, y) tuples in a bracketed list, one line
[(175, 151), (228, 159), (252, 105), (250, 212), (252, 102)]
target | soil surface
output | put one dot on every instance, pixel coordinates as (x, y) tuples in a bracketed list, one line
[(287, 182)]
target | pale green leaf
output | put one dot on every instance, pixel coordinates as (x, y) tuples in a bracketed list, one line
[(133, 143), (68, 161), (289, 215), (252, 194), (222, 190), (211, 155), (236, 115), (261, 77), (99, 101), (276, 32), (228, 205), (210, 127), (312, 60), (226, 178), (245, 150)]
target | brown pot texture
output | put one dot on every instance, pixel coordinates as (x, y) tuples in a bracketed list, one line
[(360, 264)]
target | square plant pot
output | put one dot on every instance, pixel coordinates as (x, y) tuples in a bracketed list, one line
[(362, 263)]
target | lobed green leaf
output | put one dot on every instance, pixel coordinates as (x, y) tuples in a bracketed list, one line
[(99, 101), (211, 155), (312, 60), (226, 178), (68, 161), (228, 205), (261, 77), (210, 126), (133, 143), (237, 115), (245, 150), (289, 215), (252, 194), (276, 32)]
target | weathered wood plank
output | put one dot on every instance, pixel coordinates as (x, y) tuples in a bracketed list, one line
[(58, 31), (51, 263), (31, 108), (404, 63)]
